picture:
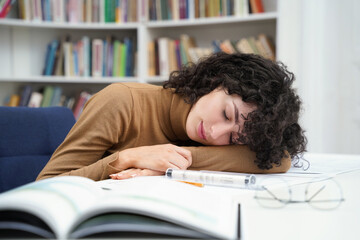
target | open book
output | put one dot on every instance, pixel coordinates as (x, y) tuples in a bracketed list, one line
[(77, 207)]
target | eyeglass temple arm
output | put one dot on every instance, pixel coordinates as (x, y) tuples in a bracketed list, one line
[(316, 193), (273, 195)]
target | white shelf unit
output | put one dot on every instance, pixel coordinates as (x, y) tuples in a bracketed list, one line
[(23, 45)]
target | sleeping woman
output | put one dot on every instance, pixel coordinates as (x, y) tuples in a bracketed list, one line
[(228, 112)]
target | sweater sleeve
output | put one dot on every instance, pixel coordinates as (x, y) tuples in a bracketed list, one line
[(232, 158), (104, 118)]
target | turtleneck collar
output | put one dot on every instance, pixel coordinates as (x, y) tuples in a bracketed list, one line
[(174, 106)]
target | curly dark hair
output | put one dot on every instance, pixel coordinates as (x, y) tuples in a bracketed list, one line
[(272, 129)]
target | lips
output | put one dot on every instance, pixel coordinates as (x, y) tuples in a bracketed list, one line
[(201, 131)]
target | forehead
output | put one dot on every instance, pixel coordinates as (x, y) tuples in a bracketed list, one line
[(220, 96), (237, 101)]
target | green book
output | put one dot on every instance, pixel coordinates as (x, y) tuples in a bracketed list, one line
[(184, 59), (116, 58), (251, 41), (48, 95), (123, 59), (164, 10), (110, 6)]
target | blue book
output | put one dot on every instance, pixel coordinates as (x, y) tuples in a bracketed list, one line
[(104, 58), (216, 46), (25, 96), (87, 56), (110, 60), (169, 13), (56, 96), (51, 60), (47, 58), (187, 9), (47, 10), (76, 63), (42, 9)]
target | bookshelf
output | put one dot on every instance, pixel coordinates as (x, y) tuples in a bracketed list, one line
[(23, 44)]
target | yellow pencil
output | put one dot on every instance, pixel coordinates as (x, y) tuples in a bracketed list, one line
[(192, 183)]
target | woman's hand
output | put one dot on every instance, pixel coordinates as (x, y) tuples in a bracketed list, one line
[(157, 158), (135, 172)]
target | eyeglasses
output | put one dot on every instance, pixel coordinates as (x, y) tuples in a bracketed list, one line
[(320, 194)]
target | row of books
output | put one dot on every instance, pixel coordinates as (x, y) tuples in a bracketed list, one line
[(48, 96), (108, 57), (75, 11), (190, 9), (167, 55)]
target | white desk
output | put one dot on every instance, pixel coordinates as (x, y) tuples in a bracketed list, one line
[(301, 221)]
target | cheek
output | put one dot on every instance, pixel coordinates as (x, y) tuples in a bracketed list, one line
[(221, 141)]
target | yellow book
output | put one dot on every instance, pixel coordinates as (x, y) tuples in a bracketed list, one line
[(14, 100), (211, 8), (243, 46), (151, 58), (216, 8), (172, 56), (118, 16)]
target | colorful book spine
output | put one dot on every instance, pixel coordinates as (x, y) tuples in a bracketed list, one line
[(36, 10), (75, 11), (97, 57), (47, 96), (105, 52), (58, 11), (25, 95), (51, 59), (86, 56), (35, 99), (116, 57), (163, 56), (110, 56), (56, 99), (83, 98), (5, 8), (123, 53), (129, 61)]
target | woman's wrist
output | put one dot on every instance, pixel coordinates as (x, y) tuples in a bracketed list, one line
[(123, 162)]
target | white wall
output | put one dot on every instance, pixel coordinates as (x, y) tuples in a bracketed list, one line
[(320, 42)]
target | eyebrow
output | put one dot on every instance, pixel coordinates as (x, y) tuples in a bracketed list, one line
[(236, 113)]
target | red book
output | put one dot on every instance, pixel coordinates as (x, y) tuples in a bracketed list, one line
[(6, 8), (256, 6)]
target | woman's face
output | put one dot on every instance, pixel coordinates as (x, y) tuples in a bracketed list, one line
[(217, 118)]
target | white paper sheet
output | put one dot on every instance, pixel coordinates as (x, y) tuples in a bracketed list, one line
[(315, 163)]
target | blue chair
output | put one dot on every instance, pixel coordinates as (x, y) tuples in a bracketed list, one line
[(28, 138)]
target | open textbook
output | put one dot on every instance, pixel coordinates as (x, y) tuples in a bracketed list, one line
[(76, 207)]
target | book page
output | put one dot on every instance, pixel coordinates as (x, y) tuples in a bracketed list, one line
[(183, 204), (58, 201)]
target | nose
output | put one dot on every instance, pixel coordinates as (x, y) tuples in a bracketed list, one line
[(219, 131)]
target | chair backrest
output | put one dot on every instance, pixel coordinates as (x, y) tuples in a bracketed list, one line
[(28, 137)]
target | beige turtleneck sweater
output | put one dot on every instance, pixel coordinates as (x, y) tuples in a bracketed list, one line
[(128, 115)]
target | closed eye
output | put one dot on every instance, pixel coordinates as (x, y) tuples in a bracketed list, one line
[(225, 116)]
